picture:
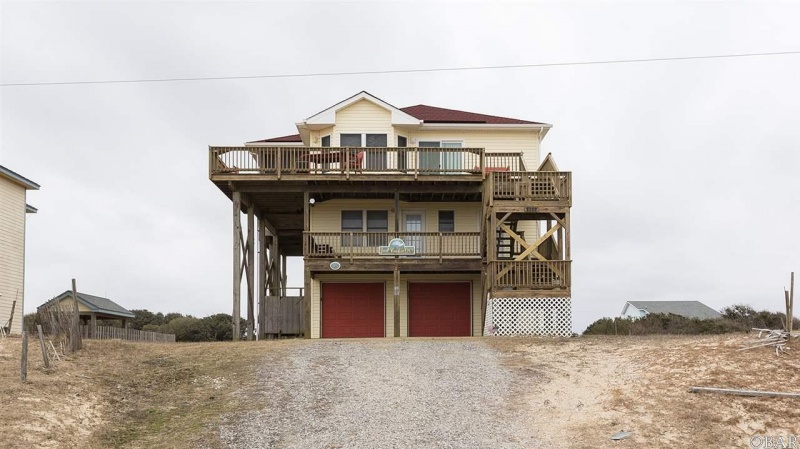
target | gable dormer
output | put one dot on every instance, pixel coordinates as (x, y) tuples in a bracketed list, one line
[(362, 114)]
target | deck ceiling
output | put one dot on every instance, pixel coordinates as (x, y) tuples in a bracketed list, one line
[(281, 202)]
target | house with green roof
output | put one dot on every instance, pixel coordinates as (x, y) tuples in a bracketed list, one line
[(91, 308)]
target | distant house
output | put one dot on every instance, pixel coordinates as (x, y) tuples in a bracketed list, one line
[(13, 210), (91, 308), (688, 309)]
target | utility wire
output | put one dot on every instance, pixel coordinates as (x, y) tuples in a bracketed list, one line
[(385, 72)]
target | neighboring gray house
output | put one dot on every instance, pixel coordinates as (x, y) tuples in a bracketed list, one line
[(689, 309), (91, 308)]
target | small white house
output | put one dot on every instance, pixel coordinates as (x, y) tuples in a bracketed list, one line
[(688, 309)]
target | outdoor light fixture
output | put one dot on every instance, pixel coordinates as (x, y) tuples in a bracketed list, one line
[(311, 201)]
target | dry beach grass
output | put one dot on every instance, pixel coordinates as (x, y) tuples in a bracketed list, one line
[(574, 392)]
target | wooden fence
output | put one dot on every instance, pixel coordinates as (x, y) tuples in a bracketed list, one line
[(284, 315), (119, 333)]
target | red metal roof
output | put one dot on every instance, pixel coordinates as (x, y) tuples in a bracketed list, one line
[(289, 138), (432, 114)]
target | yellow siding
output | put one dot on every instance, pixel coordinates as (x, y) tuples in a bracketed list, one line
[(530, 228), (389, 297), (327, 216), (363, 117), (506, 140), (66, 304), (12, 252), (316, 136)]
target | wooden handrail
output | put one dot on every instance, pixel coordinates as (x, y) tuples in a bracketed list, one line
[(531, 274), (359, 245), (538, 186), (281, 161)]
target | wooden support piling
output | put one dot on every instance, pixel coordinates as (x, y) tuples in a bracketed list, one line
[(251, 210), (396, 291), (262, 277), (237, 260), (307, 272)]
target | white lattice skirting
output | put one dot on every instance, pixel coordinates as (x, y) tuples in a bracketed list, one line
[(529, 316)]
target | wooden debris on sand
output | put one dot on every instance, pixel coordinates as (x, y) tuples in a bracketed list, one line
[(771, 337)]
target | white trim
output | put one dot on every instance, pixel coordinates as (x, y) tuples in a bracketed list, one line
[(328, 116), (449, 126)]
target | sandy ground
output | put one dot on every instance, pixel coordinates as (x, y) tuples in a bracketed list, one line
[(55, 408), (590, 388), (571, 393)]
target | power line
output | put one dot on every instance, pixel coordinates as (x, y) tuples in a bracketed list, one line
[(385, 72)]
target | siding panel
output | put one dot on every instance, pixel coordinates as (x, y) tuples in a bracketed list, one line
[(12, 252)]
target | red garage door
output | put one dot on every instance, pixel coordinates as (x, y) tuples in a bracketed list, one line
[(352, 310), (439, 309)]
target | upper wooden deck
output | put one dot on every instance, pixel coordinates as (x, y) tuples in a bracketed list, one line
[(331, 163), (509, 179)]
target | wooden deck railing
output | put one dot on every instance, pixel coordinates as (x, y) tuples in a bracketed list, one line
[(351, 160), (530, 274), (535, 186), (121, 333), (504, 162), (360, 245)]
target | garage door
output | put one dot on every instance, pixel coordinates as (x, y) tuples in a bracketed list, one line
[(352, 310), (439, 309)]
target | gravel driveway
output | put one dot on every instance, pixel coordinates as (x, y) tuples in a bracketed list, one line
[(449, 393)]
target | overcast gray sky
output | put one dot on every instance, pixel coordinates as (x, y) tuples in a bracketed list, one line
[(685, 173)]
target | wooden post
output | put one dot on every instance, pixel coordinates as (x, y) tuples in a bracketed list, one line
[(44, 348), (275, 255), (306, 272), (567, 232), (11, 319), (251, 210), (396, 213), (93, 326), (75, 342), (307, 303), (262, 277), (789, 296), (283, 274), (483, 301), (237, 260), (23, 367), (396, 291), (791, 304)]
